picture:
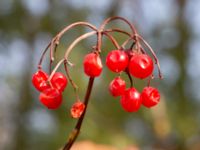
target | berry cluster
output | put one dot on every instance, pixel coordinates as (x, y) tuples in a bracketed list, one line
[(51, 91), (138, 65), (134, 61)]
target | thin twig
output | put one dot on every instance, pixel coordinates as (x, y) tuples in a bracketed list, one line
[(154, 55), (55, 69), (82, 37), (118, 18), (130, 78), (113, 40), (118, 30), (43, 54), (56, 39), (74, 134), (69, 77)]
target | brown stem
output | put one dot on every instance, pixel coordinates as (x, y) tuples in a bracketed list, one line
[(55, 69), (69, 77), (99, 41), (42, 57), (60, 34), (76, 130), (127, 41), (118, 30), (154, 55), (130, 78), (56, 39), (82, 37), (112, 40), (118, 18)]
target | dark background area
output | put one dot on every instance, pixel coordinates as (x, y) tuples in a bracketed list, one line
[(171, 27)]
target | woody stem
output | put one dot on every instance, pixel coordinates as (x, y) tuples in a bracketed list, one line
[(74, 134)]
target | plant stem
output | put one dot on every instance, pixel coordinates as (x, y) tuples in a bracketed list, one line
[(76, 130), (82, 37)]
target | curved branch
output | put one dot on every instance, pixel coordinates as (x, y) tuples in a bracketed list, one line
[(112, 40), (43, 54), (55, 69), (118, 30), (126, 42), (69, 77), (153, 53), (56, 39), (60, 34), (118, 18), (73, 25), (82, 37)]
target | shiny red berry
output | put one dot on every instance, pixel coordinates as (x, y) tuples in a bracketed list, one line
[(117, 60), (150, 97), (51, 98), (131, 100), (141, 66), (39, 80), (77, 109), (59, 81), (92, 65), (117, 87)]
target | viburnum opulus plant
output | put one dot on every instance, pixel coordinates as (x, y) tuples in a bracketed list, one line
[(136, 61)]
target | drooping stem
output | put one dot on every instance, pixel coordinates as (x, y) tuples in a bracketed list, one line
[(86, 35), (130, 79), (127, 41), (153, 53), (74, 134), (56, 68), (118, 18), (112, 40), (69, 77), (117, 30), (55, 41), (43, 54)]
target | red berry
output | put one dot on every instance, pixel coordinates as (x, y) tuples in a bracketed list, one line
[(141, 66), (150, 97), (51, 98), (117, 60), (131, 100), (39, 80), (59, 81), (117, 87), (92, 65), (77, 109)]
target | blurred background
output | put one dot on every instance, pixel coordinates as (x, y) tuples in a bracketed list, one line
[(171, 27)]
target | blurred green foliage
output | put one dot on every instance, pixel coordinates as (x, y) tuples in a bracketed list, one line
[(26, 125)]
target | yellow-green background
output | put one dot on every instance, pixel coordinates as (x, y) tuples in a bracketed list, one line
[(170, 26)]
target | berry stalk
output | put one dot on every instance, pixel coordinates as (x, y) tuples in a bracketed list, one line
[(74, 134)]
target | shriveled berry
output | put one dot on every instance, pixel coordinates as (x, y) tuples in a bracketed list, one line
[(150, 97), (117, 86), (51, 98), (59, 81), (77, 109), (39, 80), (131, 100), (141, 66), (117, 60), (92, 65)]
